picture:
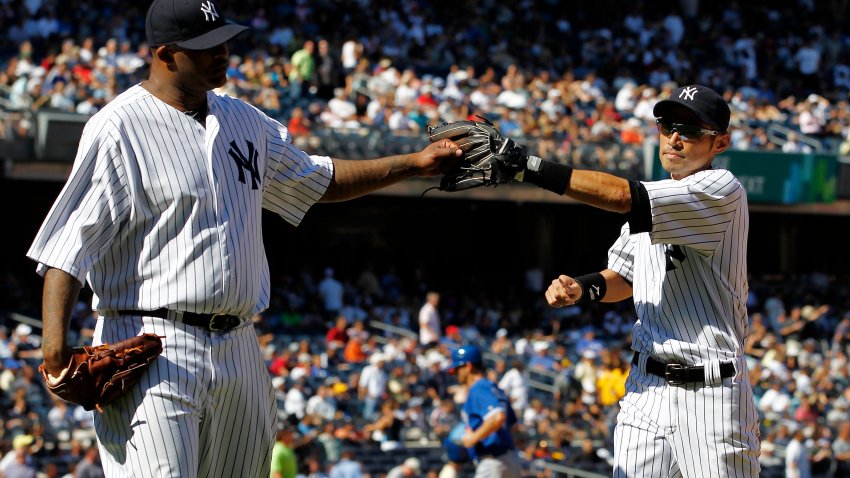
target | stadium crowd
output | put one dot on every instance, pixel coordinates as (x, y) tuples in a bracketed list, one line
[(582, 88), (355, 371)]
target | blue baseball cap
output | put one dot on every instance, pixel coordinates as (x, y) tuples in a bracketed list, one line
[(464, 355)]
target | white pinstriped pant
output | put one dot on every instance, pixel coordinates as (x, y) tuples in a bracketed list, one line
[(204, 409), (689, 431)]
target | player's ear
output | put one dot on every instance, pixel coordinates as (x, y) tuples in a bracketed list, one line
[(721, 143), (164, 54)]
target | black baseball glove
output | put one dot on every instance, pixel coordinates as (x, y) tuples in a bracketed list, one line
[(489, 159)]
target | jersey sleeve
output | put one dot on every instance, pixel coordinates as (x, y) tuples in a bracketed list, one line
[(695, 211), (621, 255), (294, 180), (487, 402), (88, 213)]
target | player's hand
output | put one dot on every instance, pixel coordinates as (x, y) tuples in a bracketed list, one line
[(56, 359), (563, 291), (437, 157), (468, 439)]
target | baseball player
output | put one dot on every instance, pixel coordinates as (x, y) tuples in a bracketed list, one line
[(488, 417), (161, 216), (682, 256)]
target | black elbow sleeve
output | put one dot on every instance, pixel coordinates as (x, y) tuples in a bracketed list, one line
[(640, 217)]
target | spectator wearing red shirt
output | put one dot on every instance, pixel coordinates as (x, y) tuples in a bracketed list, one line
[(338, 332)]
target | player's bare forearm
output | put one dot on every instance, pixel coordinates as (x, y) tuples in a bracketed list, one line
[(354, 178), (618, 288), (60, 294), (601, 190)]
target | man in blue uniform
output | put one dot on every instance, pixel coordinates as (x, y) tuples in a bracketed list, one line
[(488, 418)]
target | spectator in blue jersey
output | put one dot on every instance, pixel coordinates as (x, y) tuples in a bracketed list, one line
[(488, 417)]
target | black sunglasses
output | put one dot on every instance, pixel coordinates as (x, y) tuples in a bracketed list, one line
[(686, 131)]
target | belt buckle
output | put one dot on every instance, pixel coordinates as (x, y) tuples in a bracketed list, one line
[(672, 373), (227, 322)]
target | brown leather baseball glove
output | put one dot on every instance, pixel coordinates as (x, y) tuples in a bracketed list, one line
[(97, 375)]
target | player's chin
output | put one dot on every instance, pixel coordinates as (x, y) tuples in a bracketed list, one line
[(218, 81), (217, 77)]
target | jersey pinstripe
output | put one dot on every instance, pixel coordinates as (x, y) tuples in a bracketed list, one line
[(696, 310), (162, 212)]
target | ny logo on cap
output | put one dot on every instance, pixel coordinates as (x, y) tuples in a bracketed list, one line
[(210, 14), (688, 92)]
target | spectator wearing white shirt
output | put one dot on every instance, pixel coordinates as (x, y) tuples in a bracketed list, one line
[(372, 385), (775, 402), (322, 404), (515, 386), (295, 402), (429, 320), (797, 463)]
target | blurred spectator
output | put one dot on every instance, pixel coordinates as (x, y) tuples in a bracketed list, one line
[(587, 458), (797, 459), (22, 465), (453, 338), (90, 467), (410, 468), (284, 461), (502, 344), (586, 373), (515, 385), (611, 378), (347, 467), (841, 450), (338, 333), (429, 320), (296, 402), (327, 71), (372, 385), (443, 419), (322, 404), (303, 68), (331, 292), (385, 430)]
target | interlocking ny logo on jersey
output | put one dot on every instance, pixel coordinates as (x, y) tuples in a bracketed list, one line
[(688, 92), (246, 162), (210, 14), (674, 252)]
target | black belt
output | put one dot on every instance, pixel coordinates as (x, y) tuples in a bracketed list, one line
[(211, 322), (678, 374)]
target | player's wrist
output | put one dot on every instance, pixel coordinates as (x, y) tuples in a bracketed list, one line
[(593, 287), (546, 174)]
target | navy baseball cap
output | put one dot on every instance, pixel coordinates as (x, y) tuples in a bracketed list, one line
[(709, 106), (464, 355), (189, 24)]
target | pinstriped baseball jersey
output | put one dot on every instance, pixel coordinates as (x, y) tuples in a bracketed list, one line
[(689, 285), (163, 212), (689, 274), (160, 211)]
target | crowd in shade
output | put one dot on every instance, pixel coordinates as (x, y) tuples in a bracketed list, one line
[(583, 85), (358, 379)]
